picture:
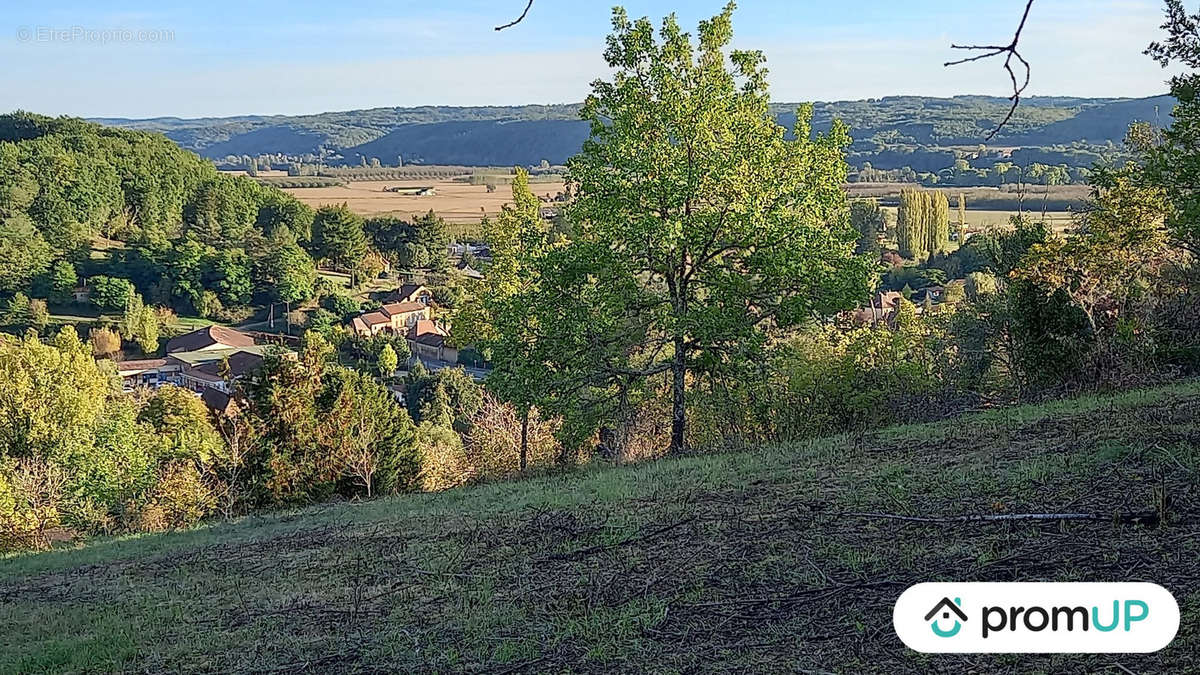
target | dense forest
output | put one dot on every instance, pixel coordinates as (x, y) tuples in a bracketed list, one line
[(130, 216), (127, 213), (924, 134)]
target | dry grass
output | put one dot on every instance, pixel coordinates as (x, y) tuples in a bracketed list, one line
[(741, 562), (462, 203), (457, 202)]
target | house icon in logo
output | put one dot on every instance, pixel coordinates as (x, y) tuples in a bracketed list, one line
[(945, 607)]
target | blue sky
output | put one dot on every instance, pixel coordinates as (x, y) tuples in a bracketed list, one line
[(223, 57)]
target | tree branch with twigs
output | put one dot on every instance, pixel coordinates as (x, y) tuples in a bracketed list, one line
[(1010, 52)]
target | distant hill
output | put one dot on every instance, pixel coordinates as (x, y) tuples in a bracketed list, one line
[(482, 136)]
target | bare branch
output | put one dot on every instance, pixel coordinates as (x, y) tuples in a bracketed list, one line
[(1011, 52), (519, 18)]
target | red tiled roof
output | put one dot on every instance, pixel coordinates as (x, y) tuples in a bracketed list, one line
[(375, 318), (424, 327), (208, 337), (395, 308)]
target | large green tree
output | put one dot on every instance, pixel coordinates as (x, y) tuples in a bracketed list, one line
[(24, 254), (338, 237), (701, 228), (870, 221), (285, 272), (1172, 160)]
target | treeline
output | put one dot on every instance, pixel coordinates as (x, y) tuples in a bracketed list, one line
[(363, 173), (299, 182), (525, 135), (971, 173)]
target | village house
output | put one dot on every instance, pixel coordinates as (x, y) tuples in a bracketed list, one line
[(151, 373), (394, 317), (457, 250), (371, 323), (407, 305), (429, 342), (412, 293), (210, 337), (930, 294), (208, 358), (881, 309), (218, 373)]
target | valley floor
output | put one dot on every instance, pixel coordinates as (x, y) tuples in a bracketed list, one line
[(752, 562)]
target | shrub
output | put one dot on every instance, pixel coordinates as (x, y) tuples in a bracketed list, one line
[(444, 462), (342, 306), (494, 443), (16, 313), (448, 397), (105, 342), (31, 493), (182, 495), (110, 293), (234, 314), (209, 306), (979, 284), (39, 315)]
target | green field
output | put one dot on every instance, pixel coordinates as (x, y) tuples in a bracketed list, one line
[(752, 562)]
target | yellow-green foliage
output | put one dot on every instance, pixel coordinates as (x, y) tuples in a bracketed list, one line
[(827, 379), (76, 454), (30, 500), (180, 497), (444, 462), (922, 223), (52, 394)]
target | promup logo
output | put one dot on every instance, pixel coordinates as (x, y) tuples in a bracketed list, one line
[(1017, 618), (946, 607)]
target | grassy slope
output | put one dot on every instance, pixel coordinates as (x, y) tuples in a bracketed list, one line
[(711, 563)]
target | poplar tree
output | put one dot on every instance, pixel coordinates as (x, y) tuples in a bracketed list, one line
[(910, 238), (923, 223), (962, 218), (937, 223)]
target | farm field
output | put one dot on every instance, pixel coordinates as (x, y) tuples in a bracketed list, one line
[(984, 219), (465, 204), (782, 559), (457, 202)]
